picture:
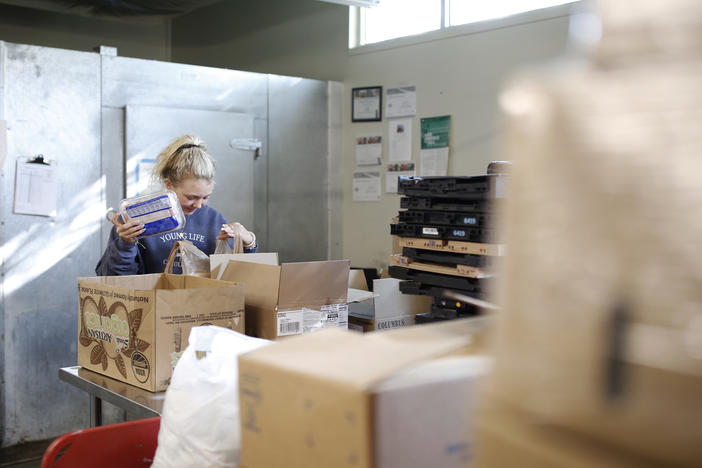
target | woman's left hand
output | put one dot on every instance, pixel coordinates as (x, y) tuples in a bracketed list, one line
[(234, 229)]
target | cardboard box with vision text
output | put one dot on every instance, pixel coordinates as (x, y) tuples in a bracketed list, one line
[(133, 328)]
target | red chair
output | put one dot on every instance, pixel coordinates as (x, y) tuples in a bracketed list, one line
[(122, 445)]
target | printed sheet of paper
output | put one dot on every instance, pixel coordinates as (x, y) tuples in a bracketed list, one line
[(401, 102), (435, 131), (400, 135), (395, 171), (369, 150), (35, 189), (366, 186), (435, 145), (434, 162)]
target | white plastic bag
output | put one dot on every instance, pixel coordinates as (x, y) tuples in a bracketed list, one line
[(200, 419)]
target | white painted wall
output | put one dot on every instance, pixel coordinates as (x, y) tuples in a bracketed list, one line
[(459, 76)]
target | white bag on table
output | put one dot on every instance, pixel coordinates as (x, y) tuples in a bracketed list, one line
[(200, 419)]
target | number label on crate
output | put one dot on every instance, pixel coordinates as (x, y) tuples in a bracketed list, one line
[(427, 231), (459, 233), (470, 220)]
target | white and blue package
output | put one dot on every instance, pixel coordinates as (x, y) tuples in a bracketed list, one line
[(159, 212)]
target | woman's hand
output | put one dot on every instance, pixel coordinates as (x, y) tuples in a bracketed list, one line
[(234, 229), (129, 231)]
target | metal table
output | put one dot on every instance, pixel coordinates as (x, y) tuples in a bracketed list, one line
[(140, 402)]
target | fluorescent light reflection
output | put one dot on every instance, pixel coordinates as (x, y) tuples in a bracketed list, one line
[(30, 254)]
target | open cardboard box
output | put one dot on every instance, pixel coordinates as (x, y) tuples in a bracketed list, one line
[(336, 398), (292, 298), (218, 262), (134, 328), (388, 308)]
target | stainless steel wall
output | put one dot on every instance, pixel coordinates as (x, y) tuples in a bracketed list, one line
[(297, 170), (136, 82), (51, 101), (69, 106)]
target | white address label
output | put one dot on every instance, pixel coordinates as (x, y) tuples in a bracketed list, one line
[(430, 231), (290, 322), (328, 316)]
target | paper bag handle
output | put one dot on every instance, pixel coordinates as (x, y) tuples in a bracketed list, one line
[(171, 257), (223, 246)]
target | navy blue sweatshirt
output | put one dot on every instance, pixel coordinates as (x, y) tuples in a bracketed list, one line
[(150, 254)]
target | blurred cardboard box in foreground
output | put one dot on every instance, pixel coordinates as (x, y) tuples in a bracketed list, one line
[(335, 398), (601, 332), (507, 438)]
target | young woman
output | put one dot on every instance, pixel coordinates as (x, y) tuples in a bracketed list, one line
[(187, 169)]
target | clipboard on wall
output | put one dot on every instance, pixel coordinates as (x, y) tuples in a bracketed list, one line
[(35, 187)]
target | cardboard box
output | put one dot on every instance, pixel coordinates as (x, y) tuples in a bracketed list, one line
[(133, 328), (601, 287), (388, 305), (292, 298), (366, 325), (337, 398), (218, 262), (357, 279), (509, 438)]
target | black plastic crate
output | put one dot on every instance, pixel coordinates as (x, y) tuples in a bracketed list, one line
[(481, 187), (460, 307), (448, 258), (472, 286), (465, 234), (445, 218), (446, 204), (416, 287), (427, 317)]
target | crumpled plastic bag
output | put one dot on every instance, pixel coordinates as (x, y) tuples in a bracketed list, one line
[(193, 261), (200, 418)]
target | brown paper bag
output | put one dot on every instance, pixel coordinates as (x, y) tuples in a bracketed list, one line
[(193, 260)]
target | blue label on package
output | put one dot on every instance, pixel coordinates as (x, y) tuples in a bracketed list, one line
[(160, 225)]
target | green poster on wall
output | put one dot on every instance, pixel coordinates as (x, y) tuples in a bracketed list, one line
[(435, 131)]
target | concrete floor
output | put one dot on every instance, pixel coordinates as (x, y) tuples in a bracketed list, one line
[(23, 456)]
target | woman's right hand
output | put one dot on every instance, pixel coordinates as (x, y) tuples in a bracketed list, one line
[(128, 231)]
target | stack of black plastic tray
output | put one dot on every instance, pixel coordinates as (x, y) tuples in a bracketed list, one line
[(449, 246)]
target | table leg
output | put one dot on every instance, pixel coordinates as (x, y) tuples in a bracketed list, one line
[(95, 411)]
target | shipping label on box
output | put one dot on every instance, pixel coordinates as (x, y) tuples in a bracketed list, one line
[(305, 320), (134, 328)]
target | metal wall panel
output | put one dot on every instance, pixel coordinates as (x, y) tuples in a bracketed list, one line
[(297, 168), (69, 106), (52, 104), (129, 81), (260, 225), (150, 129), (3, 183), (335, 179), (112, 160)]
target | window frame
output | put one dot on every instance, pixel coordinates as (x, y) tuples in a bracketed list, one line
[(445, 32)]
